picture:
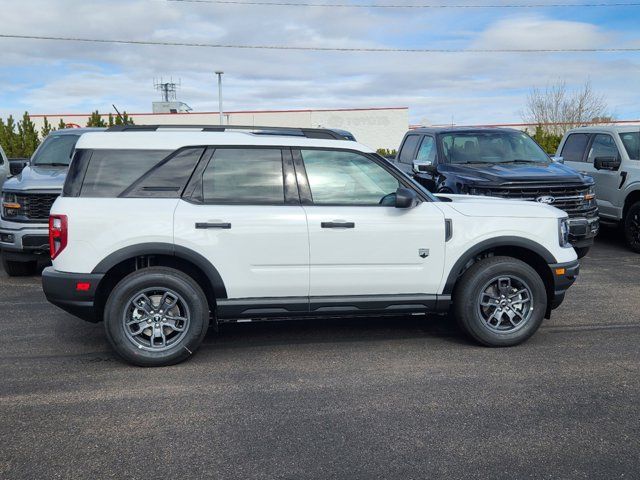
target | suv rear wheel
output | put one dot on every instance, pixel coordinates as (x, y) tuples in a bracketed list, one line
[(156, 316), (500, 301), (19, 269), (632, 227)]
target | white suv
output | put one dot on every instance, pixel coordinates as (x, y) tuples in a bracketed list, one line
[(160, 233)]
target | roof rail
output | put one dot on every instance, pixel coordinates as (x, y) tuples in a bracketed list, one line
[(288, 131)]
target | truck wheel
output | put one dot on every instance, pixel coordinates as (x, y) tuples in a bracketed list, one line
[(632, 227), (500, 301), (156, 316), (19, 269), (582, 251)]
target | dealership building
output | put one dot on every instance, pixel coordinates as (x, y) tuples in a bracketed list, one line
[(376, 127)]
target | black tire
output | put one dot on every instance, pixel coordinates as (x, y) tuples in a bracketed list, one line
[(191, 299), (632, 227), (470, 314), (582, 251), (19, 269)]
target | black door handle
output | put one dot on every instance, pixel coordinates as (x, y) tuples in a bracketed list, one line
[(203, 226), (338, 225)]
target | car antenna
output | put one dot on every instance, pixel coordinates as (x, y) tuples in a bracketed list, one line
[(119, 115)]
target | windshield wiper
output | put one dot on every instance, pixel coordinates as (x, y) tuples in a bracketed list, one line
[(53, 164)]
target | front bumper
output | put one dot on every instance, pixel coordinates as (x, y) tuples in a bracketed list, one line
[(61, 289), (24, 241), (582, 230), (564, 275)]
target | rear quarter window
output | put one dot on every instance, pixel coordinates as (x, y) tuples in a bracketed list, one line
[(110, 172)]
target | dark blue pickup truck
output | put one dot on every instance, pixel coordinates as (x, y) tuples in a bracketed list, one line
[(500, 162)]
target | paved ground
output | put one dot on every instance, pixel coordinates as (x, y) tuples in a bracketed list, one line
[(377, 398)]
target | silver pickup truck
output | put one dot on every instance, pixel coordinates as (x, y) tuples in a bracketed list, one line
[(611, 155), (27, 200), (4, 166)]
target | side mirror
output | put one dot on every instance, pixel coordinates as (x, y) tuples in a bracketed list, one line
[(406, 198), (17, 165), (607, 163), (423, 166), (557, 159)]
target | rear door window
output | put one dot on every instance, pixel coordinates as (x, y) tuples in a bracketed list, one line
[(631, 142), (574, 147), (250, 176)]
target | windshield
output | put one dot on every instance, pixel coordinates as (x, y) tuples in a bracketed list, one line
[(492, 147), (631, 142), (55, 150)]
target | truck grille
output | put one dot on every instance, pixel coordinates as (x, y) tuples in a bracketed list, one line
[(570, 198), (36, 206)]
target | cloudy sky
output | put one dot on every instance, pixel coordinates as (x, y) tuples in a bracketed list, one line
[(65, 77)]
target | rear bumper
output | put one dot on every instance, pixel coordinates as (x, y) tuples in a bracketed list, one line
[(564, 275), (60, 288)]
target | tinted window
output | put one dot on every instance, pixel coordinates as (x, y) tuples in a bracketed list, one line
[(409, 148), (574, 147), (55, 150), (169, 177), (603, 146), (249, 176), (346, 178), (427, 152), (111, 172), (492, 147), (631, 143)]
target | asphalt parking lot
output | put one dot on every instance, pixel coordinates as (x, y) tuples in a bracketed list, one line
[(362, 398)]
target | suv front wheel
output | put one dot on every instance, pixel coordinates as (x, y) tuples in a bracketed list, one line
[(156, 316), (500, 301)]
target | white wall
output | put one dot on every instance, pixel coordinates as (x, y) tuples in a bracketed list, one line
[(375, 127)]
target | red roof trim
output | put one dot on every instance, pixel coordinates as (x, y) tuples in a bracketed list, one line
[(230, 112)]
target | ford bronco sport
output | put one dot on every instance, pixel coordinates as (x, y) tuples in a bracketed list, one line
[(161, 233)]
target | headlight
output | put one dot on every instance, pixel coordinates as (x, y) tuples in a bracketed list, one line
[(10, 205), (590, 196), (563, 232)]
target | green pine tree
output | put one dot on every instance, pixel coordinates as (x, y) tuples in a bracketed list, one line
[(28, 136), (10, 140), (95, 120), (46, 129), (124, 119), (61, 125), (111, 123)]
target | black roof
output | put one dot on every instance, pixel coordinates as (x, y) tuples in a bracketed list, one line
[(437, 130)]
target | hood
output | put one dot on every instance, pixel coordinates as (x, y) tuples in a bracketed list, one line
[(481, 206), (37, 178), (483, 173)]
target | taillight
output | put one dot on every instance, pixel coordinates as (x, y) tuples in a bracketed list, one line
[(57, 234)]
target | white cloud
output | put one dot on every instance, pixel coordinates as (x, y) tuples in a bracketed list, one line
[(50, 77)]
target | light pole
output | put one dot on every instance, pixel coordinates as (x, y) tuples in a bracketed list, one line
[(220, 96)]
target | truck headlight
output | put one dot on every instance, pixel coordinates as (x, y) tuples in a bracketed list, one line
[(10, 205), (563, 232)]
